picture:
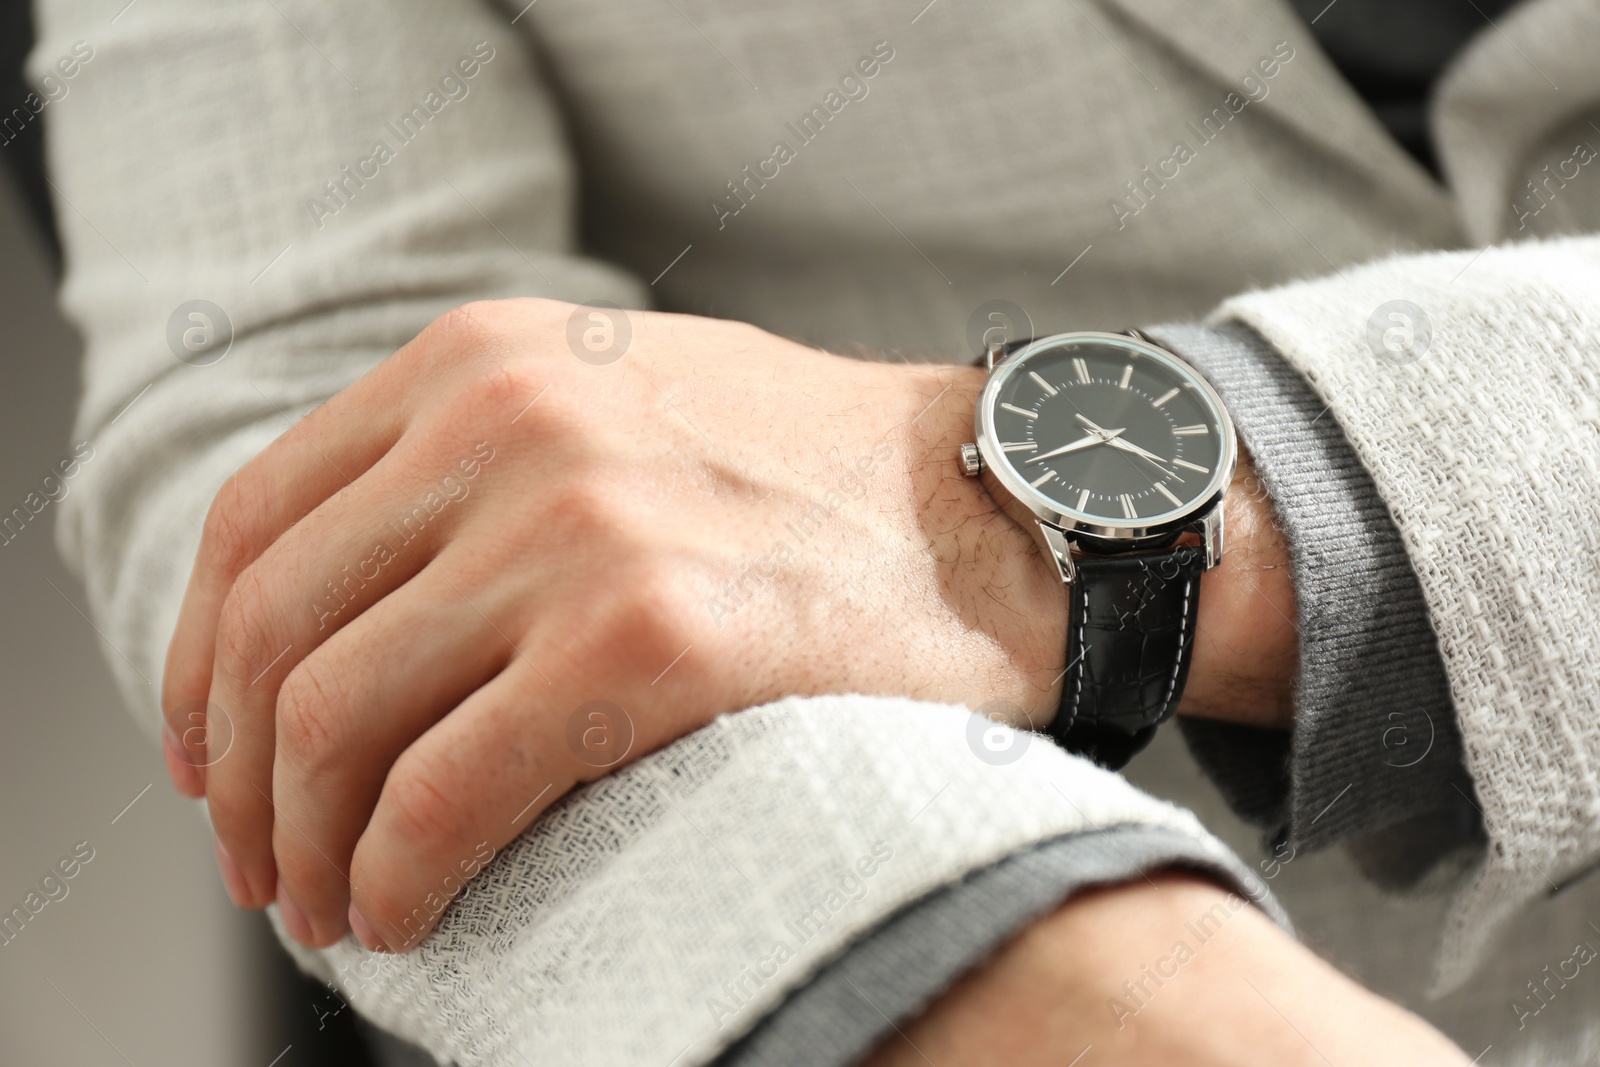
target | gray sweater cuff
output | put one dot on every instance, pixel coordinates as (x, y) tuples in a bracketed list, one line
[(1375, 752), (904, 965), (901, 967)]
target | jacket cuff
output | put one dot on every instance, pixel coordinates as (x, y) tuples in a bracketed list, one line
[(1375, 751)]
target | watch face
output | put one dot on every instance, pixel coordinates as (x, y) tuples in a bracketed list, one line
[(1108, 431)]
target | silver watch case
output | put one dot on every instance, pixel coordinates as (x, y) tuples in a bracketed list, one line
[(1065, 533)]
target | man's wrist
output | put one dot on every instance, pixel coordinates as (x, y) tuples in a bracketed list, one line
[(1247, 647), (994, 572), (998, 576)]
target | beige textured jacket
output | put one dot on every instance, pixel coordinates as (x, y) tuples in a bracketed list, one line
[(859, 174)]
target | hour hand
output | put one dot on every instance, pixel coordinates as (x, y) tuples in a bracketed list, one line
[(1082, 442), (1095, 428)]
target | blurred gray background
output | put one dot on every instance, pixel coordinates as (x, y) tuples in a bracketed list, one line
[(144, 947), (144, 961)]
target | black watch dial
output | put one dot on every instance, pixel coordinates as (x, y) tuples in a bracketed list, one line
[(1115, 431)]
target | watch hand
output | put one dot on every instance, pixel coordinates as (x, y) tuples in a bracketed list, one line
[(1083, 442), (1101, 430), (1136, 450)]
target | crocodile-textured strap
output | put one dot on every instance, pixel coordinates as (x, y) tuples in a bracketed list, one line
[(1130, 635)]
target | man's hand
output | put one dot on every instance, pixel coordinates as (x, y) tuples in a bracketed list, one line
[(1167, 972), (489, 571)]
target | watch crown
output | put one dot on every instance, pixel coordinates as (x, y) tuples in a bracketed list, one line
[(971, 460)]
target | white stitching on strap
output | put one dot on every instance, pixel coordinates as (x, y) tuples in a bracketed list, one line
[(1076, 667), (1183, 629)]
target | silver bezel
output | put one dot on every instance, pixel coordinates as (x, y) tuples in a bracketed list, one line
[(998, 472)]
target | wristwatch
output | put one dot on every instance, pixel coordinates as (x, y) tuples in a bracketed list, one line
[(1118, 454)]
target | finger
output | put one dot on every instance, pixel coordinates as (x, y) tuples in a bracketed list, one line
[(309, 462), (311, 582), (345, 714), (470, 784)]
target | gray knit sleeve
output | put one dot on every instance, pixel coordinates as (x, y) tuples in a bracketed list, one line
[(1374, 758), (899, 969)]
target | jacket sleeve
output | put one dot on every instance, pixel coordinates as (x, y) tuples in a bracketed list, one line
[(259, 202), (1374, 757), (1467, 384)]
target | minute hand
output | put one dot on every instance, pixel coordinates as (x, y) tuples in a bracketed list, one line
[(1082, 442), (1136, 450)]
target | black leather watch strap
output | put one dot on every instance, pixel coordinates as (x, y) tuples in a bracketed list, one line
[(1130, 637)]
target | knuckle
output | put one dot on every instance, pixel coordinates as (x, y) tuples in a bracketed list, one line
[(471, 325), (228, 539), (656, 616), (228, 816), (379, 906), (505, 390), (307, 713), (486, 327), (241, 819), (537, 310), (375, 890), (644, 622), (243, 628), (588, 508), (423, 806), (304, 866)]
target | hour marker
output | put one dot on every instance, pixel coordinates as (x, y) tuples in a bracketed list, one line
[(1190, 431), (1191, 466), (1127, 376), (1083, 500), (1164, 491), (1045, 477), (1127, 506), (1083, 370), (1018, 446), (1164, 397), (1035, 414), (1046, 386)]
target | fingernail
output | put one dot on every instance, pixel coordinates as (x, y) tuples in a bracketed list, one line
[(294, 919), (233, 879), (185, 775), (364, 933)]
